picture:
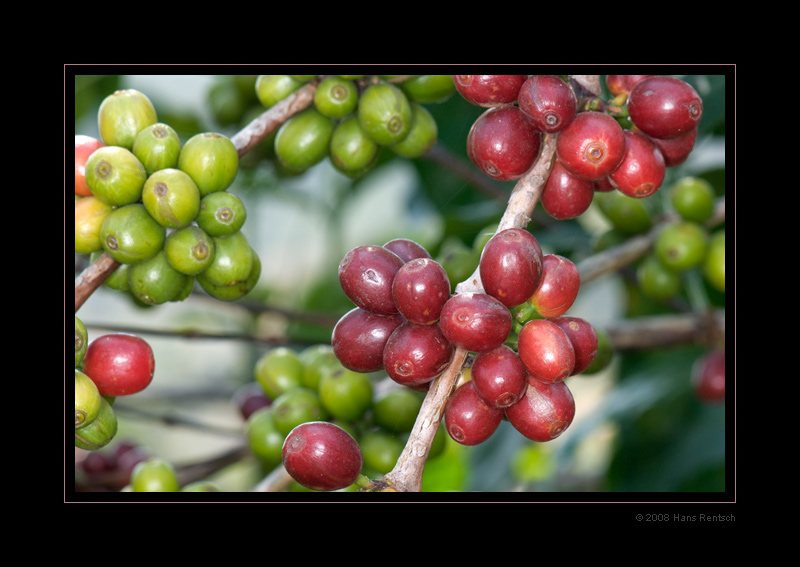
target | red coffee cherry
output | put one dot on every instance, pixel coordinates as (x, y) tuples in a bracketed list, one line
[(366, 274), (618, 84), (566, 196), (664, 107), (546, 351), (511, 266), (489, 90), (415, 354), (407, 249), (468, 419), (548, 102), (359, 337), (119, 364), (475, 321), (583, 338), (676, 150), (420, 289), (544, 412), (499, 376), (592, 146), (559, 287), (642, 169), (322, 456), (503, 143), (708, 377)]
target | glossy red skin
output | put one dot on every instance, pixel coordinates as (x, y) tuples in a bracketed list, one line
[(708, 377), (642, 170), (359, 337), (559, 286), (366, 274), (664, 107), (489, 90), (511, 266), (420, 289), (544, 412), (503, 143), (592, 146), (119, 364), (546, 351), (415, 354), (322, 456), (548, 102), (499, 376), (84, 147), (475, 321), (566, 196), (407, 249), (468, 419), (583, 338), (676, 150)]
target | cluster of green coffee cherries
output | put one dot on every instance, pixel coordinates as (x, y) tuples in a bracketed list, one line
[(299, 386), (161, 208), (685, 252), (354, 116)]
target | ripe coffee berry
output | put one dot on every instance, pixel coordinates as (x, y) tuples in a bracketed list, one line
[(119, 364), (415, 354), (475, 321), (548, 102), (359, 337), (708, 376), (546, 351), (545, 411), (592, 146), (503, 143), (499, 376), (322, 456), (559, 287), (511, 266), (664, 107), (583, 338), (420, 289), (489, 90), (84, 147), (566, 196), (468, 419), (366, 274), (642, 169), (407, 249)]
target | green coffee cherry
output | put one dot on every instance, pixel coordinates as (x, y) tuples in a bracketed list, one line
[(189, 250), (278, 370), (380, 450), (154, 281), (304, 140), (81, 341), (422, 135), (317, 360), (714, 264), (693, 199), (122, 115), (397, 410), (682, 245), (296, 406), (345, 394), (201, 486), (384, 113), (154, 475), (221, 214), (232, 263), (211, 160), (626, 214), (235, 290), (605, 352), (118, 279), (99, 432), (129, 234), (171, 197), (336, 97), (157, 147), (272, 89), (87, 400), (115, 175), (428, 89), (264, 438), (656, 281), (352, 152)]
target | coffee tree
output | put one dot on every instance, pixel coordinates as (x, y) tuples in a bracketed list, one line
[(415, 359)]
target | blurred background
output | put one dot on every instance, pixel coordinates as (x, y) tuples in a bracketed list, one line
[(639, 426)]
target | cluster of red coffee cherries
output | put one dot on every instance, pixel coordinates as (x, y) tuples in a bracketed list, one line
[(594, 152), (407, 323)]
